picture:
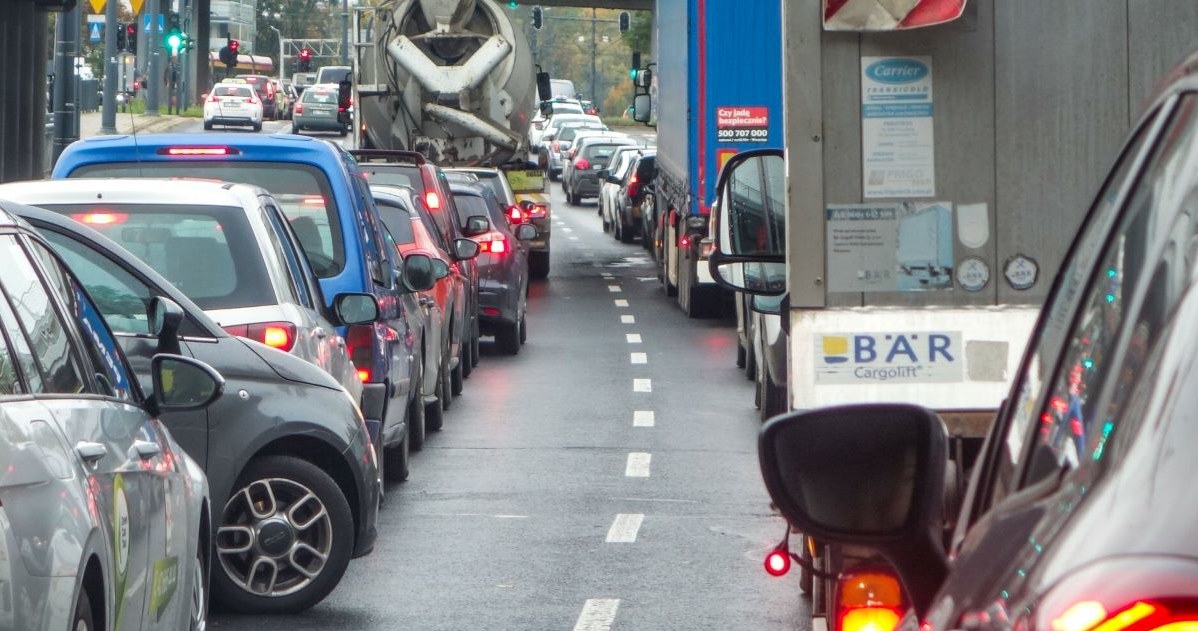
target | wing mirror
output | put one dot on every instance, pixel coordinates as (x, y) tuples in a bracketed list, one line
[(642, 108), (870, 475), (527, 205), (182, 383), (604, 175), (476, 225), (165, 319), (526, 232), (748, 222), (418, 272), (354, 308), (464, 249)]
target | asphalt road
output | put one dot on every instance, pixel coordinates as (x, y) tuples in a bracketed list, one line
[(604, 478)]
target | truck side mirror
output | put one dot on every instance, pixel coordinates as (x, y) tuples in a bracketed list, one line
[(544, 87), (748, 222), (644, 78), (642, 108)]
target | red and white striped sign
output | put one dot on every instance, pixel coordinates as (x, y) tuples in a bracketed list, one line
[(889, 15)]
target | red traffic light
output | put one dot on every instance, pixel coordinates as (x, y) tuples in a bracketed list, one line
[(777, 562), (234, 45), (130, 29), (305, 53)]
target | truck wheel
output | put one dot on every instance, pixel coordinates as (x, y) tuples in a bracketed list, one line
[(538, 265), (507, 338)]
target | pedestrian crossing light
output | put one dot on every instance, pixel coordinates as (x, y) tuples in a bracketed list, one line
[(512, 4)]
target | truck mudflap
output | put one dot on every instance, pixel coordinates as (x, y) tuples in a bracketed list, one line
[(956, 360)]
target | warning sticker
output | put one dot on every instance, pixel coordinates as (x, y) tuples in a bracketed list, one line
[(742, 124)]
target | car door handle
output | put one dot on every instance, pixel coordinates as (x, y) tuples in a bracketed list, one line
[(425, 301), (89, 452), (145, 449)]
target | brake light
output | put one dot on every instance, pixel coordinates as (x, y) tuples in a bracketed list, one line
[(212, 98), (314, 201), (253, 100), (1125, 594), (299, 108), (514, 215), (432, 200), (868, 600), (493, 242), (582, 163), (280, 335), (634, 186), (100, 218), (198, 151), (359, 344), (539, 210)]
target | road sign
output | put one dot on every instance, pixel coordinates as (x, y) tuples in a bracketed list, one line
[(145, 23), (93, 32), (136, 5), (98, 5)]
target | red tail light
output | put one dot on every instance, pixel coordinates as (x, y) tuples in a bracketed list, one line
[(198, 151), (212, 98), (538, 211), (868, 600), (432, 200), (100, 218), (777, 562), (299, 108), (582, 163), (514, 214), (493, 242), (634, 185), (280, 335), (253, 100), (1126, 594), (359, 345)]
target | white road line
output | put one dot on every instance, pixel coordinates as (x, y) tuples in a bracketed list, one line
[(573, 238), (638, 358), (567, 230), (615, 289), (620, 302), (598, 614), (644, 418), (627, 319), (638, 465), (625, 527), (642, 385), (633, 338)]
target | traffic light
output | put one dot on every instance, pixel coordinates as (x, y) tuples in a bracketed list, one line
[(131, 37), (173, 40), (512, 4), (122, 41), (625, 21), (305, 60), (234, 46), (538, 18), (228, 54), (636, 65)]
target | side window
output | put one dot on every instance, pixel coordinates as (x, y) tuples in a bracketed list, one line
[(119, 296), (10, 381), (370, 231), (40, 322), (1081, 410), (282, 250), (448, 214)]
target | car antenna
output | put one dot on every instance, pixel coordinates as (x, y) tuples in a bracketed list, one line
[(136, 147)]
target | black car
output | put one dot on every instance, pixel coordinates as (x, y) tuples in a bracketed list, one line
[(1080, 511), (292, 475), (502, 266)]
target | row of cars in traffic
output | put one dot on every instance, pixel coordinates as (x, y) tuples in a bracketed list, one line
[(214, 354)]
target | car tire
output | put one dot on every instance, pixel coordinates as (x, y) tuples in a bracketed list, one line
[(457, 377), (466, 361), (751, 363), (773, 398), (397, 460), (538, 265), (83, 619), (625, 230), (446, 380), (207, 126), (606, 225), (331, 532), (417, 430), (740, 355), (507, 337), (475, 352), (294, 129), (198, 620), (257, 126), (523, 329), (434, 413), (342, 133)]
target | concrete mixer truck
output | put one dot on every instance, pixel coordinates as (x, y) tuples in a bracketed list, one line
[(451, 79)]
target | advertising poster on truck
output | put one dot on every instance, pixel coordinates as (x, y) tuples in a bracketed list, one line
[(900, 246), (897, 148), (742, 124)]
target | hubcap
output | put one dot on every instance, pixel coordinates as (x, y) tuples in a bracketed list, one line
[(276, 537), (199, 599)]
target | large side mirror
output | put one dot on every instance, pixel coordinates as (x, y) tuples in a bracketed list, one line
[(526, 232), (642, 108), (748, 221), (354, 308), (464, 249), (869, 475), (183, 383), (418, 272), (544, 87), (165, 319), (644, 78), (476, 225)]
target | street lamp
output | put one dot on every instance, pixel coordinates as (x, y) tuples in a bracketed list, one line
[(280, 36)]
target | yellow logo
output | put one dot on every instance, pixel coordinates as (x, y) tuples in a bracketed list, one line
[(836, 349)]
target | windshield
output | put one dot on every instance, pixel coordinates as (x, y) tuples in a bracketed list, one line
[(470, 205), (319, 96), (209, 252), (568, 133), (391, 175), (302, 190), (232, 90)]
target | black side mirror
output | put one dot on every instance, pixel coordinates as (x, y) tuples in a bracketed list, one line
[(750, 231), (544, 87), (604, 175), (418, 272), (165, 319), (526, 232), (476, 225), (870, 475), (642, 108), (527, 205), (183, 383), (441, 268), (464, 249), (354, 308)]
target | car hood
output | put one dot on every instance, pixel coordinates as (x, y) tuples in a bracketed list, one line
[(290, 367)]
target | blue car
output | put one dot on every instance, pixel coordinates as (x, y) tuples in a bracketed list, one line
[(325, 197)]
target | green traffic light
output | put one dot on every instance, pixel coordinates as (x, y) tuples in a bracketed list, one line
[(173, 41), (632, 73), (512, 4)]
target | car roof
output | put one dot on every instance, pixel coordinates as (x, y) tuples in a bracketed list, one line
[(155, 148), (167, 192)]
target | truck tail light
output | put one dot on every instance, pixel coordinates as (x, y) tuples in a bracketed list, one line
[(868, 599), (582, 164), (1124, 594), (280, 335), (359, 344)]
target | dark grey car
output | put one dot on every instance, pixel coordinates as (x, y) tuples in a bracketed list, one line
[(581, 178), (292, 475), (317, 110)]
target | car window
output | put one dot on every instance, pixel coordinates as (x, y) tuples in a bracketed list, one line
[(302, 190), (296, 287), (232, 90), (390, 175), (397, 220), (39, 322), (120, 297), (1075, 422), (493, 182), (10, 380), (324, 97), (469, 206)]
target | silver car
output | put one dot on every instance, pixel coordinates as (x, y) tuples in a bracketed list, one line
[(103, 517), (228, 247), (318, 109)]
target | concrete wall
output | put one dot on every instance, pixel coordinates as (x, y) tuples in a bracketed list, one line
[(1032, 102)]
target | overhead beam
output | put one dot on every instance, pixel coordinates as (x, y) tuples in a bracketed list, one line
[(630, 5)]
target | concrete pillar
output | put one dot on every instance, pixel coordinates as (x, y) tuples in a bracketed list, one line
[(40, 155), (10, 109), (27, 90)]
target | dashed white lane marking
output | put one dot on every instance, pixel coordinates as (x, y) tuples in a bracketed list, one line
[(638, 465), (625, 527), (615, 289), (643, 418), (621, 302), (642, 385), (567, 230), (627, 319), (573, 238), (633, 338), (638, 358), (598, 614), (606, 275)]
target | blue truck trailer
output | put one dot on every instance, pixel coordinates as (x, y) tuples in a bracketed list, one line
[(719, 92)]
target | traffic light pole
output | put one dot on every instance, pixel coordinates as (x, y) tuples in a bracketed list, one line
[(108, 115), (154, 49), (66, 96)]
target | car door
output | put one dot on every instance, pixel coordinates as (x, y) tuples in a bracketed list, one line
[(107, 431), (1091, 341)]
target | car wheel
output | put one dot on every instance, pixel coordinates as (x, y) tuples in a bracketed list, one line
[(751, 363), (523, 329), (507, 337), (416, 427), (740, 355), (773, 398), (475, 355), (294, 129), (257, 126), (284, 540), (199, 592), (467, 362), (626, 235), (396, 461), (83, 619), (457, 377), (446, 380), (607, 227), (538, 265), (207, 126), (434, 413)]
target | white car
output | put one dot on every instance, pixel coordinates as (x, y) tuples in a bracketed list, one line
[(228, 247), (233, 104), (609, 191)]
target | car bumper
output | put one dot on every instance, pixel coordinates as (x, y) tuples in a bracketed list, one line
[(495, 302), (586, 185), (317, 122), (370, 487), (248, 119)]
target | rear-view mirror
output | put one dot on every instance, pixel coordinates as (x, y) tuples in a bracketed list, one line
[(476, 225), (768, 279), (544, 86), (749, 224), (642, 107), (418, 272), (183, 383), (526, 232), (870, 475), (464, 249), (165, 319), (354, 308)]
